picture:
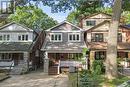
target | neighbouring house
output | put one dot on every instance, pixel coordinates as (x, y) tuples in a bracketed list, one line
[(62, 47), (20, 47), (97, 28)]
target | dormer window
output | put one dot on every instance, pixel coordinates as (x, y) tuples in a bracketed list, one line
[(4, 37), (74, 37), (23, 37), (90, 23), (56, 37)]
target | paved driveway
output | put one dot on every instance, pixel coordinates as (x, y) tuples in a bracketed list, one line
[(37, 79)]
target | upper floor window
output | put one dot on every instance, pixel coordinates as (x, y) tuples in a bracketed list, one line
[(23, 37), (97, 37), (4, 37), (74, 37), (119, 37), (56, 37), (90, 23)]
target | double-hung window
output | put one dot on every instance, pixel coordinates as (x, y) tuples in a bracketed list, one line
[(4, 37), (90, 23), (97, 37), (74, 37), (23, 37), (56, 37)]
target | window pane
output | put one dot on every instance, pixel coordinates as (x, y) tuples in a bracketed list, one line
[(56, 37), (52, 37), (4, 37), (77, 37), (22, 37), (8, 37), (1, 37), (26, 37), (19, 37), (59, 37), (70, 37), (74, 37)]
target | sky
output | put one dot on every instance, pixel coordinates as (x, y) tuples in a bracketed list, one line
[(60, 16)]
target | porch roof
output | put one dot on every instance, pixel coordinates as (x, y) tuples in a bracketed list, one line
[(67, 47), (103, 45), (15, 46)]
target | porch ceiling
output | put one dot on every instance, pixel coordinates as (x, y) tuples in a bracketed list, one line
[(15, 46), (64, 47)]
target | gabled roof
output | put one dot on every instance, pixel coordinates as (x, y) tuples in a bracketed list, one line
[(29, 29), (64, 23), (96, 14)]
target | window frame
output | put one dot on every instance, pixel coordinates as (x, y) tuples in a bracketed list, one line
[(89, 23), (97, 39), (54, 37), (74, 35), (5, 37), (118, 37), (22, 37)]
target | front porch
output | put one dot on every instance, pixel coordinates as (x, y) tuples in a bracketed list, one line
[(14, 62), (60, 62), (123, 57)]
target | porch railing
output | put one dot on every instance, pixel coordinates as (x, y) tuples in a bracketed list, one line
[(70, 63), (6, 64)]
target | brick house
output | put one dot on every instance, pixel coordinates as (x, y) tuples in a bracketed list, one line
[(97, 28)]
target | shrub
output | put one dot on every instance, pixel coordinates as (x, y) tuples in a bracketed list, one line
[(98, 67)]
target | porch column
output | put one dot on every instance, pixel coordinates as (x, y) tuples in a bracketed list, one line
[(26, 56), (46, 62), (92, 54)]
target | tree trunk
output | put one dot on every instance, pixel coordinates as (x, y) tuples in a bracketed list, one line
[(111, 60)]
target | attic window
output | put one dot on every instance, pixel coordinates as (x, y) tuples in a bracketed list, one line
[(56, 37), (90, 23)]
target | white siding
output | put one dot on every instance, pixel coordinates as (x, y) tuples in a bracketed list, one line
[(14, 35), (123, 37), (89, 37)]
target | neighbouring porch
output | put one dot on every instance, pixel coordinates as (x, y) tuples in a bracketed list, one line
[(10, 60), (123, 57)]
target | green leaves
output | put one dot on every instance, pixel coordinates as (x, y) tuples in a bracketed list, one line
[(32, 17)]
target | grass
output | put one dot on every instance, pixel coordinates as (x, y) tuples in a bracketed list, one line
[(103, 82), (115, 82)]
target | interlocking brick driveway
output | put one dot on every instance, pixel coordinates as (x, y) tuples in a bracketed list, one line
[(37, 79)]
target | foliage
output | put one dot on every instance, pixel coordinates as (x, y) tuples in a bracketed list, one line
[(98, 67), (72, 79), (32, 17), (89, 79)]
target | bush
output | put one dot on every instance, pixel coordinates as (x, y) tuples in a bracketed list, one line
[(98, 67)]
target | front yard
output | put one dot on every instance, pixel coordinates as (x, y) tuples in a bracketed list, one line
[(100, 81)]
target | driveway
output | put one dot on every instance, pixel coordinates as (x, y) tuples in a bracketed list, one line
[(37, 79)]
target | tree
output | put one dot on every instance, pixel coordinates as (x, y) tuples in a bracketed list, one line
[(32, 17), (111, 60)]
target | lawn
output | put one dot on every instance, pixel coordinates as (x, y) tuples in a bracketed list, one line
[(103, 82)]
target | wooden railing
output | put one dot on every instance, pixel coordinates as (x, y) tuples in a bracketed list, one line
[(70, 63), (6, 64)]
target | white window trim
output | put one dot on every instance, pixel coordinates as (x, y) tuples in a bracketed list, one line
[(24, 38), (54, 35), (5, 37), (74, 40)]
